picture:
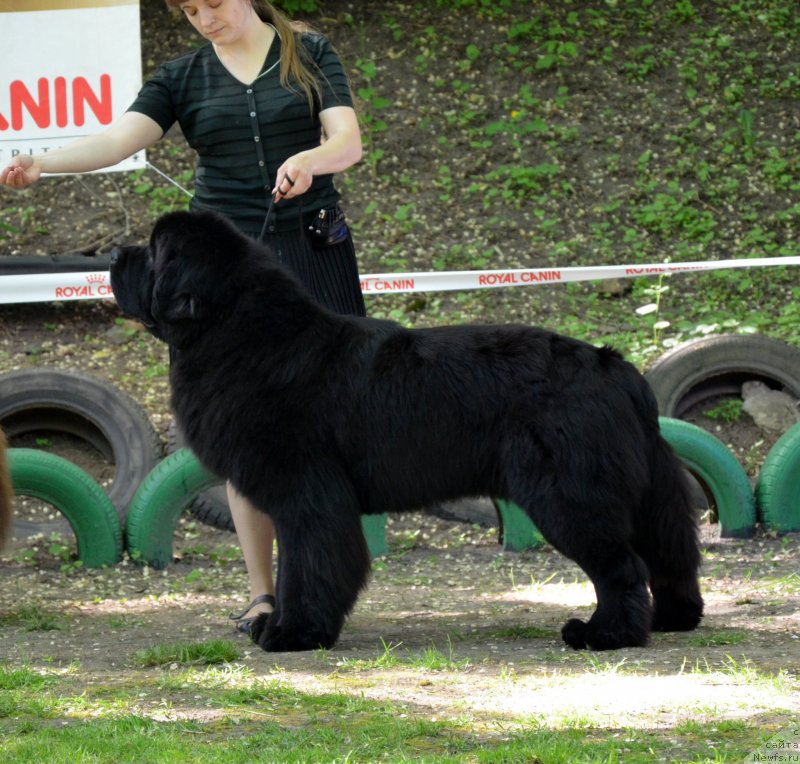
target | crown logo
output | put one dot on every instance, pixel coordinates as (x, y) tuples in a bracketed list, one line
[(96, 278)]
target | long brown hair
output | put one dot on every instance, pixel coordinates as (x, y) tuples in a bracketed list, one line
[(295, 62)]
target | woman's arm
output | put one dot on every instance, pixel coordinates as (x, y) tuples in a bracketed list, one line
[(132, 132), (340, 149)]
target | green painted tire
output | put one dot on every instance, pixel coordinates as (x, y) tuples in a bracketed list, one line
[(156, 506), (169, 489), (778, 486), (718, 471), (517, 531), (77, 496)]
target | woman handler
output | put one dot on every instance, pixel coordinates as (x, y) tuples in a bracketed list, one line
[(267, 107)]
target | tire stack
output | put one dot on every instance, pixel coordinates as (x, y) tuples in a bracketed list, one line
[(718, 365), (148, 493), (43, 402)]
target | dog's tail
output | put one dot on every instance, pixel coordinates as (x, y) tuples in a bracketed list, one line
[(6, 493), (666, 537)]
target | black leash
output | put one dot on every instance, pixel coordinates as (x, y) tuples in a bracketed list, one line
[(270, 207)]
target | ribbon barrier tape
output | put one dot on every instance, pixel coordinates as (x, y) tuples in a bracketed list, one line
[(49, 287)]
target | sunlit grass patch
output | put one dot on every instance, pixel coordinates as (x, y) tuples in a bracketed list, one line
[(207, 677), (367, 732), (427, 659)]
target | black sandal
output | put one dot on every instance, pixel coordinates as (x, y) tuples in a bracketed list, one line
[(244, 624)]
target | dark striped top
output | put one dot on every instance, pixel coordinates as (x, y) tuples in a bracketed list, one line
[(243, 133)]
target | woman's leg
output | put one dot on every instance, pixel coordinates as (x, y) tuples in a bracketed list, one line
[(332, 278), (256, 535)]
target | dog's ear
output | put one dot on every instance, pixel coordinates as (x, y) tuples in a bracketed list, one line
[(180, 306)]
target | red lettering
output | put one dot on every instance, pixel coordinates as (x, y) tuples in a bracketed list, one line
[(21, 97), (41, 106), (494, 279), (82, 93), (60, 87), (384, 285), (537, 276), (73, 292)]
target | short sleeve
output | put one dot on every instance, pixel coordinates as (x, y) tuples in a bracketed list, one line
[(333, 80), (155, 99)]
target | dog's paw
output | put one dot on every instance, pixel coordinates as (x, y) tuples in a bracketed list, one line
[(278, 639), (594, 636), (574, 633), (677, 614), (672, 620), (259, 626)]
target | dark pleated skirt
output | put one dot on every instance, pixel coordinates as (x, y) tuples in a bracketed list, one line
[(329, 273)]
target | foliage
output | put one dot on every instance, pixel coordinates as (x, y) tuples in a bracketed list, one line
[(292, 7)]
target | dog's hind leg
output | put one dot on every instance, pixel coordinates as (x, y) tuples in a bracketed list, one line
[(666, 538), (323, 563), (623, 614), (597, 539)]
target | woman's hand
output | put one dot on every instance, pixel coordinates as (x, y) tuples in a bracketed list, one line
[(340, 149), (21, 172), (294, 177)]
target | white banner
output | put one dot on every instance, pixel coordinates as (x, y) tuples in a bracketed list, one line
[(383, 283), (95, 285), (68, 68)]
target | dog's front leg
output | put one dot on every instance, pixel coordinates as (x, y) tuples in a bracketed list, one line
[(323, 563)]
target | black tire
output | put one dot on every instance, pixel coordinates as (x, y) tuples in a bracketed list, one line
[(778, 486), (77, 496), (90, 409), (211, 505), (717, 365)]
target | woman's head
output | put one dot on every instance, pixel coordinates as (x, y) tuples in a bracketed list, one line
[(204, 14), (222, 22), (264, 10)]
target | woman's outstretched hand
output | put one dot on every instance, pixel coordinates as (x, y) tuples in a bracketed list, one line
[(20, 173)]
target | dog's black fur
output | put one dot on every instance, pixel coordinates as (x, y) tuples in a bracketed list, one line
[(317, 418)]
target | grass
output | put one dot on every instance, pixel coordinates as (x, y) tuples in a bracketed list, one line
[(626, 131), (653, 172), (402, 740), (200, 653), (33, 618), (427, 659), (272, 721)]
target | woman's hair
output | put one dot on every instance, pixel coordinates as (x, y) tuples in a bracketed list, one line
[(295, 61)]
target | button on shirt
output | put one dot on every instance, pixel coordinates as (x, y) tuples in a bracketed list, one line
[(243, 133)]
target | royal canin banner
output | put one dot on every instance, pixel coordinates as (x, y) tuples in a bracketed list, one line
[(50, 287), (68, 68)]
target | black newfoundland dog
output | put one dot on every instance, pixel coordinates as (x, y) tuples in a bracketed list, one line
[(319, 418)]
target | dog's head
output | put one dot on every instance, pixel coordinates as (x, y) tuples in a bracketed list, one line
[(186, 279)]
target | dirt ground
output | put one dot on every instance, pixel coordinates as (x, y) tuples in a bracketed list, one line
[(444, 584)]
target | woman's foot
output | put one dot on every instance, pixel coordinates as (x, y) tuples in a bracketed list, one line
[(264, 603)]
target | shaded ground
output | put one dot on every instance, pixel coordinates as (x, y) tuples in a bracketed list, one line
[(443, 194), (491, 619)]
